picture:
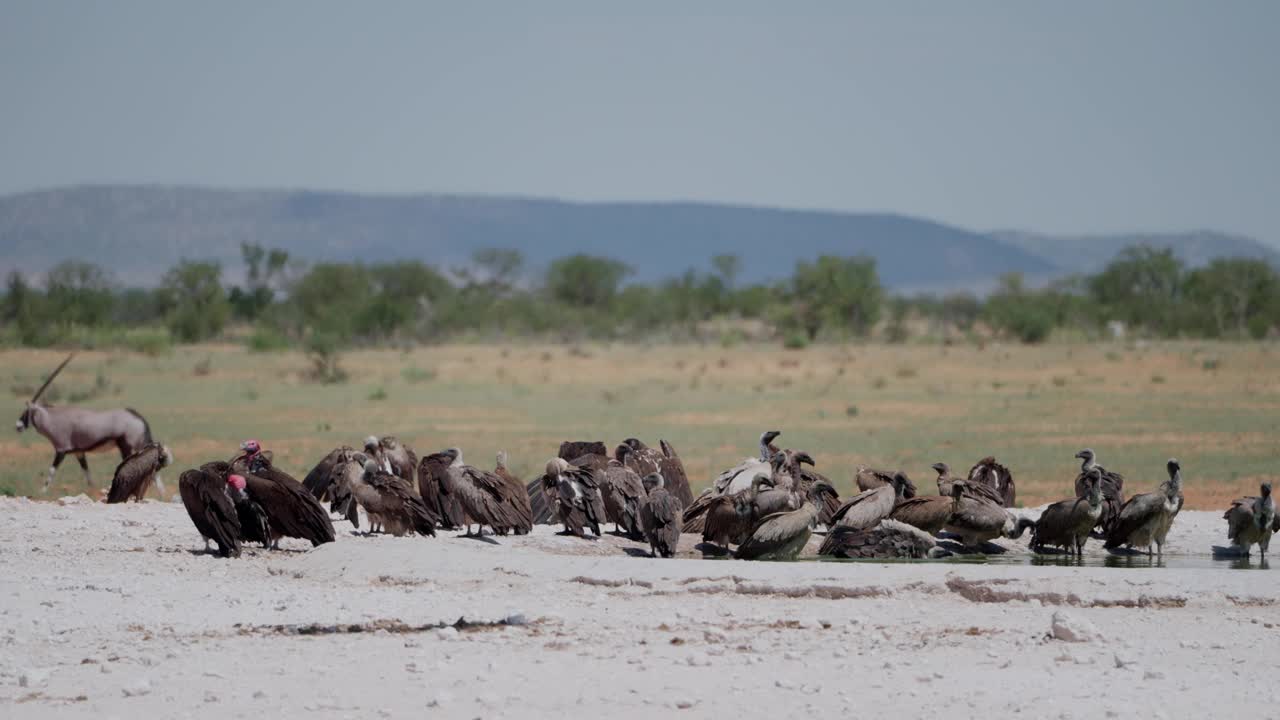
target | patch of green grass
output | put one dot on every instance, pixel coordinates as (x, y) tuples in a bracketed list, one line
[(414, 374), (378, 395)]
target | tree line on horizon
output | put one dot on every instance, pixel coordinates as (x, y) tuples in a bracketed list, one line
[(325, 307)]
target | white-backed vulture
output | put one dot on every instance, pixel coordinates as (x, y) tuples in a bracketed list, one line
[(1112, 489), (992, 474), (869, 479), (977, 491), (1252, 521), (927, 513), (389, 501), (577, 494), (136, 473), (431, 475), (644, 460), (482, 495), (623, 492), (869, 507), (517, 496), (392, 456), (888, 539), (976, 519), (729, 519), (660, 517), (780, 536), (1146, 517), (209, 504), (1067, 523)]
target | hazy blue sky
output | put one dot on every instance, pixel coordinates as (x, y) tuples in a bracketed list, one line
[(1063, 117)]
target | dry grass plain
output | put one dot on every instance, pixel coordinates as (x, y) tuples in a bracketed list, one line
[(1215, 406)]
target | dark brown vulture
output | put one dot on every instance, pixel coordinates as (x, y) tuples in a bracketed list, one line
[(1112, 489), (623, 492), (780, 536), (573, 449), (995, 476), (291, 511), (660, 517), (888, 539), (517, 495), (389, 501), (209, 504), (392, 456), (644, 460), (136, 473), (254, 526), (577, 494), (448, 507), (484, 497)]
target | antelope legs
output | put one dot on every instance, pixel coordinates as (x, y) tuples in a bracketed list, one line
[(84, 465), (57, 460)]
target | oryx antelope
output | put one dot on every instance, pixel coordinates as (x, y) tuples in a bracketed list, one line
[(79, 430)]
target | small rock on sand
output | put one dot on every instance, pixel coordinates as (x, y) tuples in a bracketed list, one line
[(1072, 629)]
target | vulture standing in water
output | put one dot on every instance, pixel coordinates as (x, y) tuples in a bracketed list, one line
[(577, 494), (780, 536), (644, 460), (660, 517), (992, 474), (484, 497), (927, 513), (392, 456), (517, 495), (432, 472), (729, 518), (868, 479), (1067, 523), (291, 510), (206, 497), (1112, 489), (1145, 518), (736, 479), (865, 510), (135, 474), (1252, 520), (623, 492), (976, 520), (977, 491), (389, 500), (888, 539)]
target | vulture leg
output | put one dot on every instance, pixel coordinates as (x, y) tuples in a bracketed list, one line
[(206, 545), (84, 465)]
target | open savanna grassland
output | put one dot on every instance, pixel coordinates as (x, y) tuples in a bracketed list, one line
[(1215, 406)]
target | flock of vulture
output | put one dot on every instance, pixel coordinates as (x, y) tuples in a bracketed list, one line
[(765, 508)]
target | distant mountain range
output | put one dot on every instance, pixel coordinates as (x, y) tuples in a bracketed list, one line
[(137, 232)]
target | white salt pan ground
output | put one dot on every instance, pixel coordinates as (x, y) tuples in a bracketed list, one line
[(106, 612)]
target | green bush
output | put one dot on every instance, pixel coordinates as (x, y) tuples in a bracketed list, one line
[(266, 339)]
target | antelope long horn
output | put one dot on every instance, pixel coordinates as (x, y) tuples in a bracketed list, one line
[(45, 386)]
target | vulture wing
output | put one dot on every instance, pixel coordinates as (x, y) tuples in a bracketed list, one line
[(926, 512), (205, 497), (1133, 515), (673, 475), (866, 509), (135, 474), (572, 450), (290, 509), (444, 505), (779, 535), (317, 482)]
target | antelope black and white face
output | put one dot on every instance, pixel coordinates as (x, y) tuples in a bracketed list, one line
[(24, 420)]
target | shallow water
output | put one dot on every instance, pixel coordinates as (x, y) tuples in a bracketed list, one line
[(1178, 562)]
